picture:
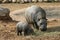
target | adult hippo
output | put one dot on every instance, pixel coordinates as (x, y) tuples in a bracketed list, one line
[(37, 16)]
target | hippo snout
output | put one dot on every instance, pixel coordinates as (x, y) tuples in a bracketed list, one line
[(43, 29)]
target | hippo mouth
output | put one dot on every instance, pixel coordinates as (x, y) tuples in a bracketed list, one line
[(42, 28)]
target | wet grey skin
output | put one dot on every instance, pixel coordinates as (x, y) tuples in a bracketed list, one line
[(34, 15), (23, 27)]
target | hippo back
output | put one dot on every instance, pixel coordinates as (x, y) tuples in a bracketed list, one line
[(33, 12)]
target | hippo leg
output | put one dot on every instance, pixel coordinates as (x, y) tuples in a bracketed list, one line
[(25, 33), (35, 26), (18, 33)]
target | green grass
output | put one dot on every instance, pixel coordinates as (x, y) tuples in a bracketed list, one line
[(39, 33)]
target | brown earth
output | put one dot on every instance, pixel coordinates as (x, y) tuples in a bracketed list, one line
[(7, 27)]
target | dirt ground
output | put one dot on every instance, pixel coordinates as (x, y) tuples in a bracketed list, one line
[(8, 30)]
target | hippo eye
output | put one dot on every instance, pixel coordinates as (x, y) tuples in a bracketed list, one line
[(38, 19)]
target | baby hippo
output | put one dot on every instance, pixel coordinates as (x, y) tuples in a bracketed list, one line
[(23, 28)]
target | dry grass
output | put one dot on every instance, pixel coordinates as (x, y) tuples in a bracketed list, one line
[(8, 32)]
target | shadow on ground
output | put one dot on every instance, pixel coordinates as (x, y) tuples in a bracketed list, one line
[(54, 29)]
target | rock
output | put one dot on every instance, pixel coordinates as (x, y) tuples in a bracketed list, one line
[(4, 13)]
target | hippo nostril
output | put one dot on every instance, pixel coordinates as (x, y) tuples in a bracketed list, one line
[(41, 23)]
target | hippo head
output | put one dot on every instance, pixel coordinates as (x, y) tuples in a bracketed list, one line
[(42, 24), (41, 20)]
